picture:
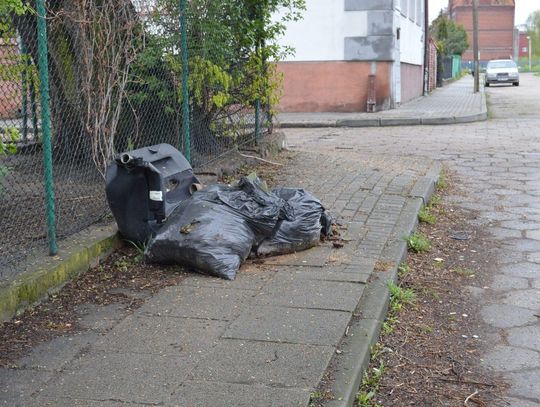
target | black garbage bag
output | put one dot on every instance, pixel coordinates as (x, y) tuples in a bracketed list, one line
[(262, 210), (302, 232), (203, 235), (215, 230)]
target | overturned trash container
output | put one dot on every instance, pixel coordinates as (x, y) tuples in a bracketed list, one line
[(144, 186)]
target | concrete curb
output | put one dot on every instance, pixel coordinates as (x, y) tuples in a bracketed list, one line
[(364, 329), (390, 121), (49, 274)]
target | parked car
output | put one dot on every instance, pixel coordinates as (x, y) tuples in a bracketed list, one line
[(502, 71)]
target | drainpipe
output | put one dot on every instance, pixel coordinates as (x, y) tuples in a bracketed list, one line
[(426, 47)]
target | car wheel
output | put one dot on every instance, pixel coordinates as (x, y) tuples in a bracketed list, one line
[(487, 84), (516, 84)]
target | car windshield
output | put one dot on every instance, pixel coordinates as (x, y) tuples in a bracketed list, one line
[(501, 64)]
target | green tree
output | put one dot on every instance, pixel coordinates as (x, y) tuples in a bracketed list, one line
[(451, 36), (533, 30)]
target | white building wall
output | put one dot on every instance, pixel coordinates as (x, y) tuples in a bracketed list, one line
[(319, 35), (410, 14)]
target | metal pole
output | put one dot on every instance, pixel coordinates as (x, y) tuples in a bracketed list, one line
[(257, 119), (530, 62), (475, 47), (24, 80), (46, 126), (185, 77)]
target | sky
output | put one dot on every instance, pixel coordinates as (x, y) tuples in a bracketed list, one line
[(523, 9)]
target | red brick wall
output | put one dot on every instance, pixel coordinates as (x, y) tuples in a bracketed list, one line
[(495, 30), (523, 51), (10, 91), (412, 83), (432, 66), (331, 86)]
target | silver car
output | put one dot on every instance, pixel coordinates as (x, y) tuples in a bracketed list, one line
[(502, 71)]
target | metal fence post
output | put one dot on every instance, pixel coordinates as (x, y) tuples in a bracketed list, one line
[(185, 79), (46, 126), (24, 86), (258, 119)]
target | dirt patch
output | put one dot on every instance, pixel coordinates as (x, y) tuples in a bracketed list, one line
[(121, 279), (431, 357)]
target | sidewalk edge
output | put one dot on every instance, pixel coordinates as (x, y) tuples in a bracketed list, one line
[(32, 286), (373, 306)]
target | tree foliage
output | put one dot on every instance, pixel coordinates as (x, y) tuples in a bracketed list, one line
[(451, 37), (533, 30)]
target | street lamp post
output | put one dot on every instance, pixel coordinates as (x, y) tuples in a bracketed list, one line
[(530, 63)]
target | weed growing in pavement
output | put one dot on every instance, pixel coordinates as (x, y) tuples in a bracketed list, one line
[(435, 200), (370, 384), (140, 247), (418, 243), (441, 182), (426, 216), (464, 272), (403, 270), (399, 297)]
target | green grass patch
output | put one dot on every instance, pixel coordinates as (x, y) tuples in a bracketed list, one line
[(441, 182), (370, 385), (403, 270), (418, 243), (426, 216), (464, 272)]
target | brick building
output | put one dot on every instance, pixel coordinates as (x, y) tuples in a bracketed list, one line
[(495, 27), (353, 55), (10, 103)]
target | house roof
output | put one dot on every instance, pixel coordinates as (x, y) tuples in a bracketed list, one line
[(467, 3)]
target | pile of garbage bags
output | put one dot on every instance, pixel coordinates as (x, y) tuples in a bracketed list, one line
[(218, 227), (156, 199)]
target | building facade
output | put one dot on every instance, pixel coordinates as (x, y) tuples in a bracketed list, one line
[(349, 51), (495, 27)]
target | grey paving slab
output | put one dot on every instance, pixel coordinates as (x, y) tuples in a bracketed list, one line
[(18, 385), (204, 394), (509, 358), (507, 316), (100, 318), (269, 363), (188, 301), (502, 282), (294, 325), (178, 337), (249, 277), (58, 352), (71, 402), (313, 257), (525, 337), (289, 290), (525, 384), (529, 299), (523, 245), (523, 269), (121, 377)]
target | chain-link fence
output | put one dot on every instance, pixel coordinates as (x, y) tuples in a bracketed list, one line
[(83, 80)]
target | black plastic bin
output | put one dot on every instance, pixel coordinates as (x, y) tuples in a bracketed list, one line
[(144, 186)]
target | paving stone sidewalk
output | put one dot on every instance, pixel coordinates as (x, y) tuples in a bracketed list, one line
[(454, 103), (265, 339)]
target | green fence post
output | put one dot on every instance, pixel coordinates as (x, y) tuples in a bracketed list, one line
[(185, 79), (46, 125), (24, 92), (258, 119)]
